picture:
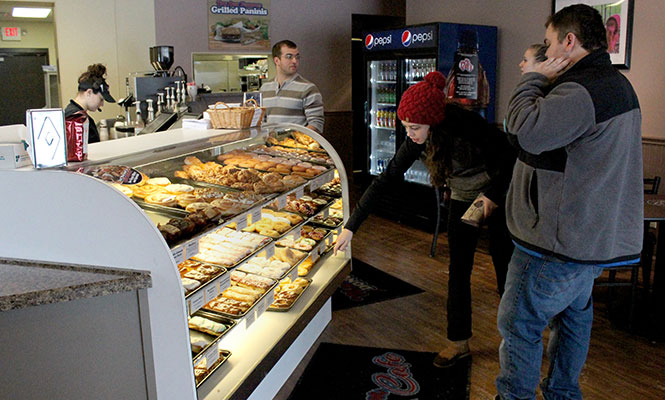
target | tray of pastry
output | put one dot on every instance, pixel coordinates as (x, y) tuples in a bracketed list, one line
[(248, 179), (270, 163), (306, 205), (246, 291), (228, 248), (288, 152), (332, 188), (202, 371), (177, 230), (295, 140), (272, 267), (205, 330), (329, 218), (275, 224), (288, 292), (194, 275)]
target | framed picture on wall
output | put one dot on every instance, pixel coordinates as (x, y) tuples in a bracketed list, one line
[(618, 19)]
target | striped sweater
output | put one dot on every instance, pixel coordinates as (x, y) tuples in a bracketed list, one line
[(298, 101)]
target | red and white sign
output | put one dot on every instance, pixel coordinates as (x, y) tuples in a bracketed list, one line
[(11, 33)]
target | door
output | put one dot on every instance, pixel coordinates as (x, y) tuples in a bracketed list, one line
[(360, 23), (21, 83)]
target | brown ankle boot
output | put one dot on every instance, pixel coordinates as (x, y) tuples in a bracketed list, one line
[(451, 353)]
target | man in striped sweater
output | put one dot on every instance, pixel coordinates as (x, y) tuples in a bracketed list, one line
[(290, 97)]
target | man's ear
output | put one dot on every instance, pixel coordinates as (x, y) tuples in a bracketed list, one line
[(570, 41)]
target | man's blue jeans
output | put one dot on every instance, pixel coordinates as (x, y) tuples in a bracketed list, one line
[(542, 291)]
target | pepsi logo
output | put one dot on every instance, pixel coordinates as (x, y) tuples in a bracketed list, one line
[(369, 41), (465, 65), (406, 38)]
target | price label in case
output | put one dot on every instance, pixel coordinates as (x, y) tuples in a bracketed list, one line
[(240, 221), (328, 176), (281, 202), (256, 215), (211, 355), (224, 282), (315, 183), (178, 254), (326, 212), (299, 192), (270, 250), (196, 302), (211, 291), (293, 274), (192, 248), (296, 232), (249, 318), (262, 306), (315, 256)]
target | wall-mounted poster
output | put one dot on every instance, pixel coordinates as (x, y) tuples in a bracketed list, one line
[(238, 25), (618, 19)]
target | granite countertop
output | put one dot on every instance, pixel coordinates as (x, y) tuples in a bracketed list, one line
[(27, 283)]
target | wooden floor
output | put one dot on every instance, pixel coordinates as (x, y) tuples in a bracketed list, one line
[(619, 366)]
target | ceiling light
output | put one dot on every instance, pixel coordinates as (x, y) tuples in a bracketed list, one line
[(23, 12)]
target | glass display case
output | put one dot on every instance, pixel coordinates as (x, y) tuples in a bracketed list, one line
[(277, 194)]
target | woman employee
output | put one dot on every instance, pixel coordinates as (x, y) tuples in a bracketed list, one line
[(475, 160), (92, 91)]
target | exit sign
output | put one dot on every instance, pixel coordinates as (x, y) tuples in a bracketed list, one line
[(11, 33)]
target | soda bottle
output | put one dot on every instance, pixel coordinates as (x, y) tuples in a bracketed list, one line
[(467, 83)]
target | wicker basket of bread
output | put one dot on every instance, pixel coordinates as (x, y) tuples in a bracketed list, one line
[(223, 116)]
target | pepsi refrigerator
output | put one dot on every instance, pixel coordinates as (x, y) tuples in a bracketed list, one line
[(396, 59)]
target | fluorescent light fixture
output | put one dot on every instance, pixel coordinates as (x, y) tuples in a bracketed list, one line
[(24, 12)]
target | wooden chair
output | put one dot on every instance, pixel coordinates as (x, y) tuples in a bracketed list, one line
[(650, 187)]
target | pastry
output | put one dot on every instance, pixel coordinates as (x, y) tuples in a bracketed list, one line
[(206, 325), (162, 199), (190, 284), (179, 188), (147, 189), (194, 207), (160, 181), (127, 191), (186, 199)]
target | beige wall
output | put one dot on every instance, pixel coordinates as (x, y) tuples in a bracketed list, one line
[(321, 28), (116, 33), (521, 22), (39, 35)]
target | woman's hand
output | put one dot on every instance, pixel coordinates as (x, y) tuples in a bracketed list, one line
[(343, 240), (488, 206)]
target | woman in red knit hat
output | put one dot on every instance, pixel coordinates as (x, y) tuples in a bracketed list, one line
[(474, 160)]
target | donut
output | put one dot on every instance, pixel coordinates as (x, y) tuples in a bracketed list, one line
[(160, 181), (179, 188), (145, 190), (162, 199)]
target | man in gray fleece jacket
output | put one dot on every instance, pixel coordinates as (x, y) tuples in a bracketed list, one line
[(575, 203)]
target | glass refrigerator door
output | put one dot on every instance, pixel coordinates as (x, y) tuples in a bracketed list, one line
[(414, 72), (382, 113)]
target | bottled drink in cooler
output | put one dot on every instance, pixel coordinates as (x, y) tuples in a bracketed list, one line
[(467, 83)]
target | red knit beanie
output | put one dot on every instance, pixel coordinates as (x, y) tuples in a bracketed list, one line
[(424, 103)]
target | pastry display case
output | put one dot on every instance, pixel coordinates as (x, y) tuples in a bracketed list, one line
[(232, 225)]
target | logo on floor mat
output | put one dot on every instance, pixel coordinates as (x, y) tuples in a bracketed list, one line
[(356, 289), (398, 380)]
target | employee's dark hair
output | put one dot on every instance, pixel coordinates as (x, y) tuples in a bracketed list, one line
[(92, 78), (539, 50), (582, 20), (277, 48)]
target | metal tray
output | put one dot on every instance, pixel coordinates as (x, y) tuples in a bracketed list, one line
[(252, 254), (204, 284), (284, 309), (250, 309), (223, 357), (217, 318)]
